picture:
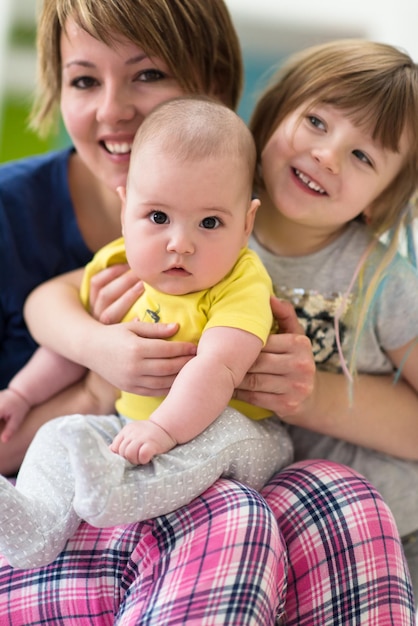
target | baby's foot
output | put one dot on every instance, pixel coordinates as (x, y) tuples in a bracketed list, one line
[(96, 469), (22, 542)]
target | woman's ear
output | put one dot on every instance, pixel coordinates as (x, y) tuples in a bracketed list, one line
[(121, 191)]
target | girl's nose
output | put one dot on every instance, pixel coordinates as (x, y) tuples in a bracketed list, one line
[(327, 157)]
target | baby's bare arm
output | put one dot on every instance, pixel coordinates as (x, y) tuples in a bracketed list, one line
[(198, 396)]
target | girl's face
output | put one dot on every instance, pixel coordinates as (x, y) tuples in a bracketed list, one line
[(321, 171), (106, 93)]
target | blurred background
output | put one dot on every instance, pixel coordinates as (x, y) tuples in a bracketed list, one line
[(269, 30)]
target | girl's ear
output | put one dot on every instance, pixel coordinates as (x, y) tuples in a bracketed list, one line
[(250, 217), (121, 191)]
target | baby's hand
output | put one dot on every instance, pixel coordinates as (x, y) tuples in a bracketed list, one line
[(13, 410), (138, 442)]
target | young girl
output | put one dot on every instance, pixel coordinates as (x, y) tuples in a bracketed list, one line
[(337, 142)]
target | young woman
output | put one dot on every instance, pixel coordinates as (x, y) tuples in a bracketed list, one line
[(222, 559)]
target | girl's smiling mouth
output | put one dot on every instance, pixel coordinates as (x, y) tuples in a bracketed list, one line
[(308, 182)]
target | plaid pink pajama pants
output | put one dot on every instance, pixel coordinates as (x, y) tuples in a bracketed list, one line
[(325, 551)]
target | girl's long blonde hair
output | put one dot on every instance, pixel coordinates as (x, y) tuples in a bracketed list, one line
[(377, 85)]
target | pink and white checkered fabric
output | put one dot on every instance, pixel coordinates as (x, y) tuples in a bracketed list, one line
[(346, 563), (223, 561)]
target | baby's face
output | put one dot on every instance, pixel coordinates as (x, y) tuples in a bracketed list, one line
[(185, 222)]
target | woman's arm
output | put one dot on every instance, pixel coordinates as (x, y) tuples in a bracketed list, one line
[(382, 415), (133, 356)]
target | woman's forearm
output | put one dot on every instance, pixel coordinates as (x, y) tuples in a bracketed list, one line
[(57, 319), (133, 356)]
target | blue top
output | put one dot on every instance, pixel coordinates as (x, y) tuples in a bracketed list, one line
[(39, 239)]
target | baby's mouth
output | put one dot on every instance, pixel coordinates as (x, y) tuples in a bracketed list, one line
[(177, 270)]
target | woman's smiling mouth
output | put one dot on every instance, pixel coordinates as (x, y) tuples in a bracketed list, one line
[(117, 148)]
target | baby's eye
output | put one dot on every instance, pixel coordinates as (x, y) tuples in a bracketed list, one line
[(150, 75), (84, 82), (315, 121), (362, 157), (210, 223), (159, 217)]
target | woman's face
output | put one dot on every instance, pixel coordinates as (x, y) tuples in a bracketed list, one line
[(106, 93)]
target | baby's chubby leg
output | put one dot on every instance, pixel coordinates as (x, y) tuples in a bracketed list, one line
[(36, 516), (109, 490), (95, 468)]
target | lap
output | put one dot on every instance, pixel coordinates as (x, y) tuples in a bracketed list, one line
[(220, 560)]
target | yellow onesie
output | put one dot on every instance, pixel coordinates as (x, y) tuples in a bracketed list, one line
[(240, 300)]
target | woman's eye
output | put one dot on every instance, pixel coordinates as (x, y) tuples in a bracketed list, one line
[(362, 157), (150, 76), (315, 121), (159, 217), (210, 223), (84, 82)]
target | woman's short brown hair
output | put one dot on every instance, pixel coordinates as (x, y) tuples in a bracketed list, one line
[(195, 38)]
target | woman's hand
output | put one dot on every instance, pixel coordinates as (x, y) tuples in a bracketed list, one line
[(133, 356), (136, 356), (140, 359), (282, 378), (112, 293)]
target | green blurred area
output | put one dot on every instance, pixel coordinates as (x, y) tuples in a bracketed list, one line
[(17, 139)]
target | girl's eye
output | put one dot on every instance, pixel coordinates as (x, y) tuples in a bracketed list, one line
[(150, 76), (210, 223), (84, 82), (315, 121), (159, 217), (362, 157)]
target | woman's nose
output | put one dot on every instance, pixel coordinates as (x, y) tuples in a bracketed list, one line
[(116, 106)]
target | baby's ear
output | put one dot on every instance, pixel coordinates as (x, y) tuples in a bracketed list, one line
[(121, 191), (366, 217), (250, 217)]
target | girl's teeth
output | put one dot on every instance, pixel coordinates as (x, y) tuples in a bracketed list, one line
[(308, 182)]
